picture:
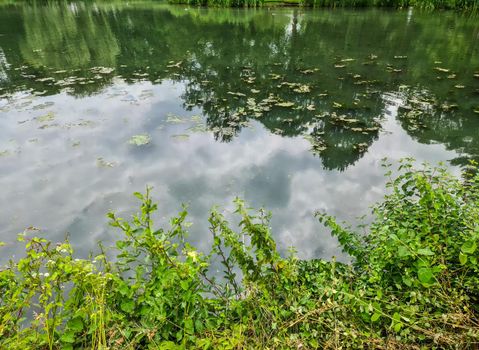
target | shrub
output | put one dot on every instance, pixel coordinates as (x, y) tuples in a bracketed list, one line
[(412, 283)]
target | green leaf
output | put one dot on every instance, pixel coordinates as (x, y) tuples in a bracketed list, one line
[(189, 327), (462, 258), (425, 275), (128, 306), (199, 325), (168, 345), (120, 244), (375, 317), (407, 281), (123, 288), (469, 247), (473, 260), (75, 324), (68, 337), (425, 251), (184, 284), (403, 251)]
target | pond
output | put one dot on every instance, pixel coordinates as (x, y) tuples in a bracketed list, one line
[(291, 109)]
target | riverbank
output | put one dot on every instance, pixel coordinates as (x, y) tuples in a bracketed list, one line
[(467, 5), (413, 282)]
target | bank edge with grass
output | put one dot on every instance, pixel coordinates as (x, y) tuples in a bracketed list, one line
[(412, 284)]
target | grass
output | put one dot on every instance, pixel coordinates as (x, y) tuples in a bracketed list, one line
[(413, 282)]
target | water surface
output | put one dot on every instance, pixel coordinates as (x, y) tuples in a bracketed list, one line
[(291, 109)]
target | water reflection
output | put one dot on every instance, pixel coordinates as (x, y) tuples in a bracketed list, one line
[(289, 109), (64, 36)]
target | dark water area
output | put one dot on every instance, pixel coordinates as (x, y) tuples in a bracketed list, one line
[(290, 109)]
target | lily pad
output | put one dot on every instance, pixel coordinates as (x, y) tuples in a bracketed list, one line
[(198, 128), (174, 65), (140, 140), (337, 105), (309, 71), (145, 94), (102, 163), (447, 107), (274, 76), (46, 126), (361, 147), (196, 118), (284, 104), (45, 79), (4, 153), (50, 116), (181, 137), (174, 119), (43, 105), (443, 70), (302, 89), (238, 94)]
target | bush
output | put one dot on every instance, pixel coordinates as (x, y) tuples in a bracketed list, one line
[(412, 283)]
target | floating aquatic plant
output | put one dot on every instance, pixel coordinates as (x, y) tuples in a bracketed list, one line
[(50, 116), (140, 140)]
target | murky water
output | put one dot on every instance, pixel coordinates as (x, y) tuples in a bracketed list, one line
[(290, 109)]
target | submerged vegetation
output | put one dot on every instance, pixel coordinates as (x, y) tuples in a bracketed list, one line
[(412, 283), (470, 5)]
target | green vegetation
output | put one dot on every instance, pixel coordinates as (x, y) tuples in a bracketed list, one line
[(412, 283), (424, 4)]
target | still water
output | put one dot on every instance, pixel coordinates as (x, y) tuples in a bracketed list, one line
[(290, 109)]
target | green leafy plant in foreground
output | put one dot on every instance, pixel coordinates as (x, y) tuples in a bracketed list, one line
[(412, 283)]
